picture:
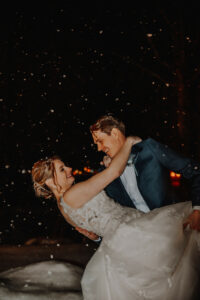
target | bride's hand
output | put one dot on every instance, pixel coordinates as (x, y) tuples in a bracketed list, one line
[(134, 139), (106, 161)]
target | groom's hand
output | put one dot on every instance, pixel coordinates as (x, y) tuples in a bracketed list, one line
[(92, 236), (193, 220)]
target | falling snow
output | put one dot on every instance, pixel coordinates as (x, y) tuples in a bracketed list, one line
[(62, 68)]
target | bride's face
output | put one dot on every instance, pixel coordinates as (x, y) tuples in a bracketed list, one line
[(63, 175)]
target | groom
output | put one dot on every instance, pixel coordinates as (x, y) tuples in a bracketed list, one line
[(144, 183)]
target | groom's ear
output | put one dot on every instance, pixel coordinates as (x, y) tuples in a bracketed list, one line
[(114, 133)]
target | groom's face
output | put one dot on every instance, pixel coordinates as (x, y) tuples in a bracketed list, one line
[(109, 144)]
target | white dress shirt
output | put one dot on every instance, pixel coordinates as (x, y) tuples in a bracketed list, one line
[(129, 181)]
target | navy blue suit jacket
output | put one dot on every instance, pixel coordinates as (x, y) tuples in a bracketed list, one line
[(153, 161)]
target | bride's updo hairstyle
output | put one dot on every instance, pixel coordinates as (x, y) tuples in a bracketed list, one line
[(41, 171)]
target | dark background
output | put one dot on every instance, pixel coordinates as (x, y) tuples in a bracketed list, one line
[(64, 65)]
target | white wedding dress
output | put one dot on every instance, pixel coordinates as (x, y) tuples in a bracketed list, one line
[(141, 256)]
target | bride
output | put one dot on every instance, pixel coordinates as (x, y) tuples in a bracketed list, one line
[(141, 256)]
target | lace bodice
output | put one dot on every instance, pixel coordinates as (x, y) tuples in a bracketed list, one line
[(100, 215)]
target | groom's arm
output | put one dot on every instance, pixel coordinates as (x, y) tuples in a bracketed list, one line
[(90, 235), (173, 161), (188, 168)]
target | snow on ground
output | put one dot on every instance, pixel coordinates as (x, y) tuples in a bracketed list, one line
[(50, 280)]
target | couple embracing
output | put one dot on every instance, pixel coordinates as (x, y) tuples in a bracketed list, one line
[(150, 248)]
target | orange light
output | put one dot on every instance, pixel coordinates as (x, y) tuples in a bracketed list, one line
[(86, 169), (75, 172), (178, 175), (175, 176), (176, 183), (172, 174)]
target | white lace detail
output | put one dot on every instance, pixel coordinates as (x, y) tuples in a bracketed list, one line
[(148, 256), (100, 215)]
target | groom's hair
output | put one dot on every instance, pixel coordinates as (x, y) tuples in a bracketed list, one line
[(106, 123)]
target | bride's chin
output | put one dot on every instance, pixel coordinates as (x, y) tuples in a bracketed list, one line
[(72, 182)]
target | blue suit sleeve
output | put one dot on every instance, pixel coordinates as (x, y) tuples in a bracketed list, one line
[(173, 161)]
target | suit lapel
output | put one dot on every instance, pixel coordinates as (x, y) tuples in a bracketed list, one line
[(136, 149), (117, 191)]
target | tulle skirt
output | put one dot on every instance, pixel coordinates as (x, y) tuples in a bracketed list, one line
[(147, 258)]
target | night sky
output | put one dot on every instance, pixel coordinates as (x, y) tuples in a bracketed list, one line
[(63, 66)]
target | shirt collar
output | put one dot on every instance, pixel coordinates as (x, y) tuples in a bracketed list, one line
[(131, 159)]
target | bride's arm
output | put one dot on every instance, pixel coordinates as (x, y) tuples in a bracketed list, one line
[(82, 192), (66, 217)]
